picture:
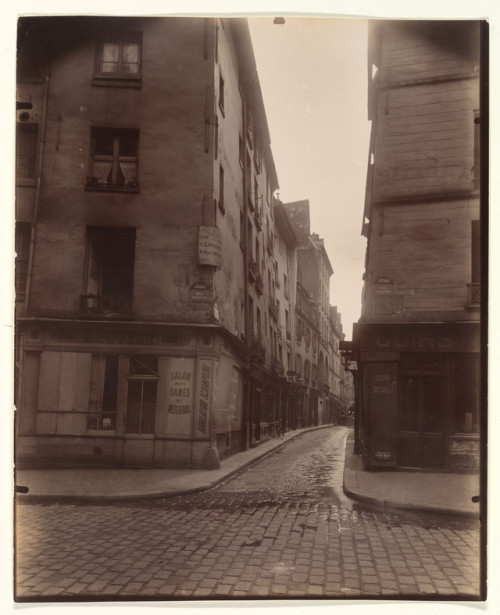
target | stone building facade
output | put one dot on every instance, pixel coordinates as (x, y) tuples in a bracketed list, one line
[(156, 272), (418, 340), (150, 267)]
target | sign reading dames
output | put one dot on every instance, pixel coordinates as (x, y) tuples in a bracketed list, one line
[(179, 396), (210, 246)]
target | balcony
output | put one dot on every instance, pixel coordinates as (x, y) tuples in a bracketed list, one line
[(258, 217), (106, 304), (253, 269), (276, 367), (250, 201), (269, 244), (273, 309), (258, 349)]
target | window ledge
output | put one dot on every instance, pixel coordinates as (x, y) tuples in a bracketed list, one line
[(122, 189), (116, 81), (27, 182), (108, 433)]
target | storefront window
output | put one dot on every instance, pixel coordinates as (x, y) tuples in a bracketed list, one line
[(103, 392), (141, 395), (466, 394)]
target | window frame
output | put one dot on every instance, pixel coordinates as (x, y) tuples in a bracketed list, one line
[(118, 78), (102, 382), (142, 378), (22, 247), (23, 129), (221, 94), (115, 159)]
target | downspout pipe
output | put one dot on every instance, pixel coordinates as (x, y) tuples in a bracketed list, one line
[(34, 217), (36, 204)]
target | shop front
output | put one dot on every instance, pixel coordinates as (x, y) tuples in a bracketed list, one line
[(114, 394), (419, 395)]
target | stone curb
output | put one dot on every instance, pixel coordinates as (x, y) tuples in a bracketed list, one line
[(391, 505), (94, 499)]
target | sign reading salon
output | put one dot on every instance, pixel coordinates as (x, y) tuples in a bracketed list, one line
[(180, 396)]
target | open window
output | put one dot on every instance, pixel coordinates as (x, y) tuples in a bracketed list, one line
[(114, 159), (110, 270)]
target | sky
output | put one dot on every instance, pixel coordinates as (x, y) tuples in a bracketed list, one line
[(313, 75)]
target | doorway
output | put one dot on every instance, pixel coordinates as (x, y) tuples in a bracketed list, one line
[(422, 412)]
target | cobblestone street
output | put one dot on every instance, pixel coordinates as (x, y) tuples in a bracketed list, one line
[(282, 528)]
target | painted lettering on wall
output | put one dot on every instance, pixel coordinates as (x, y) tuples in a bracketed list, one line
[(179, 392), (414, 341), (180, 396), (205, 376), (384, 384), (132, 338)]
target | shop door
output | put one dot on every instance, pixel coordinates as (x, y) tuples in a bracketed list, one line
[(421, 415)]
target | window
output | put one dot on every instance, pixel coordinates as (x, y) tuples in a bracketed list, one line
[(221, 189), (259, 325), (118, 61), (216, 137), (141, 394), (26, 149), (477, 149), (221, 93), (242, 229), (110, 270), (475, 283), (103, 391), (23, 231), (114, 159), (250, 315), (240, 151), (466, 402)]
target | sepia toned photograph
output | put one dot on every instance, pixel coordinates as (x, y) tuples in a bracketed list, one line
[(250, 309)]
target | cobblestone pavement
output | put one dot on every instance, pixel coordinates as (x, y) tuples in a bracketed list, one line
[(282, 528)]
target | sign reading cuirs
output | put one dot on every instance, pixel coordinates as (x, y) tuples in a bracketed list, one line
[(210, 246)]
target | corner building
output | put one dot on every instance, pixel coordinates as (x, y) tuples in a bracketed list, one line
[(148, 258), (417, 342)]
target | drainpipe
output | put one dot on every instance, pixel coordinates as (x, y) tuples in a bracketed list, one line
[(39, 166), (29, 275), (244, 242)]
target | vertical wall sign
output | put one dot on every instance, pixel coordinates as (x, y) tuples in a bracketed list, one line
[(180, 396), (203, 396)]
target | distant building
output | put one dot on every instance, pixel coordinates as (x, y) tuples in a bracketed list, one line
[(417, 341), (319, 392), (155, 274)]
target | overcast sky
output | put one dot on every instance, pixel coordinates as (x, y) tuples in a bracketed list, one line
[(313, 73)]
